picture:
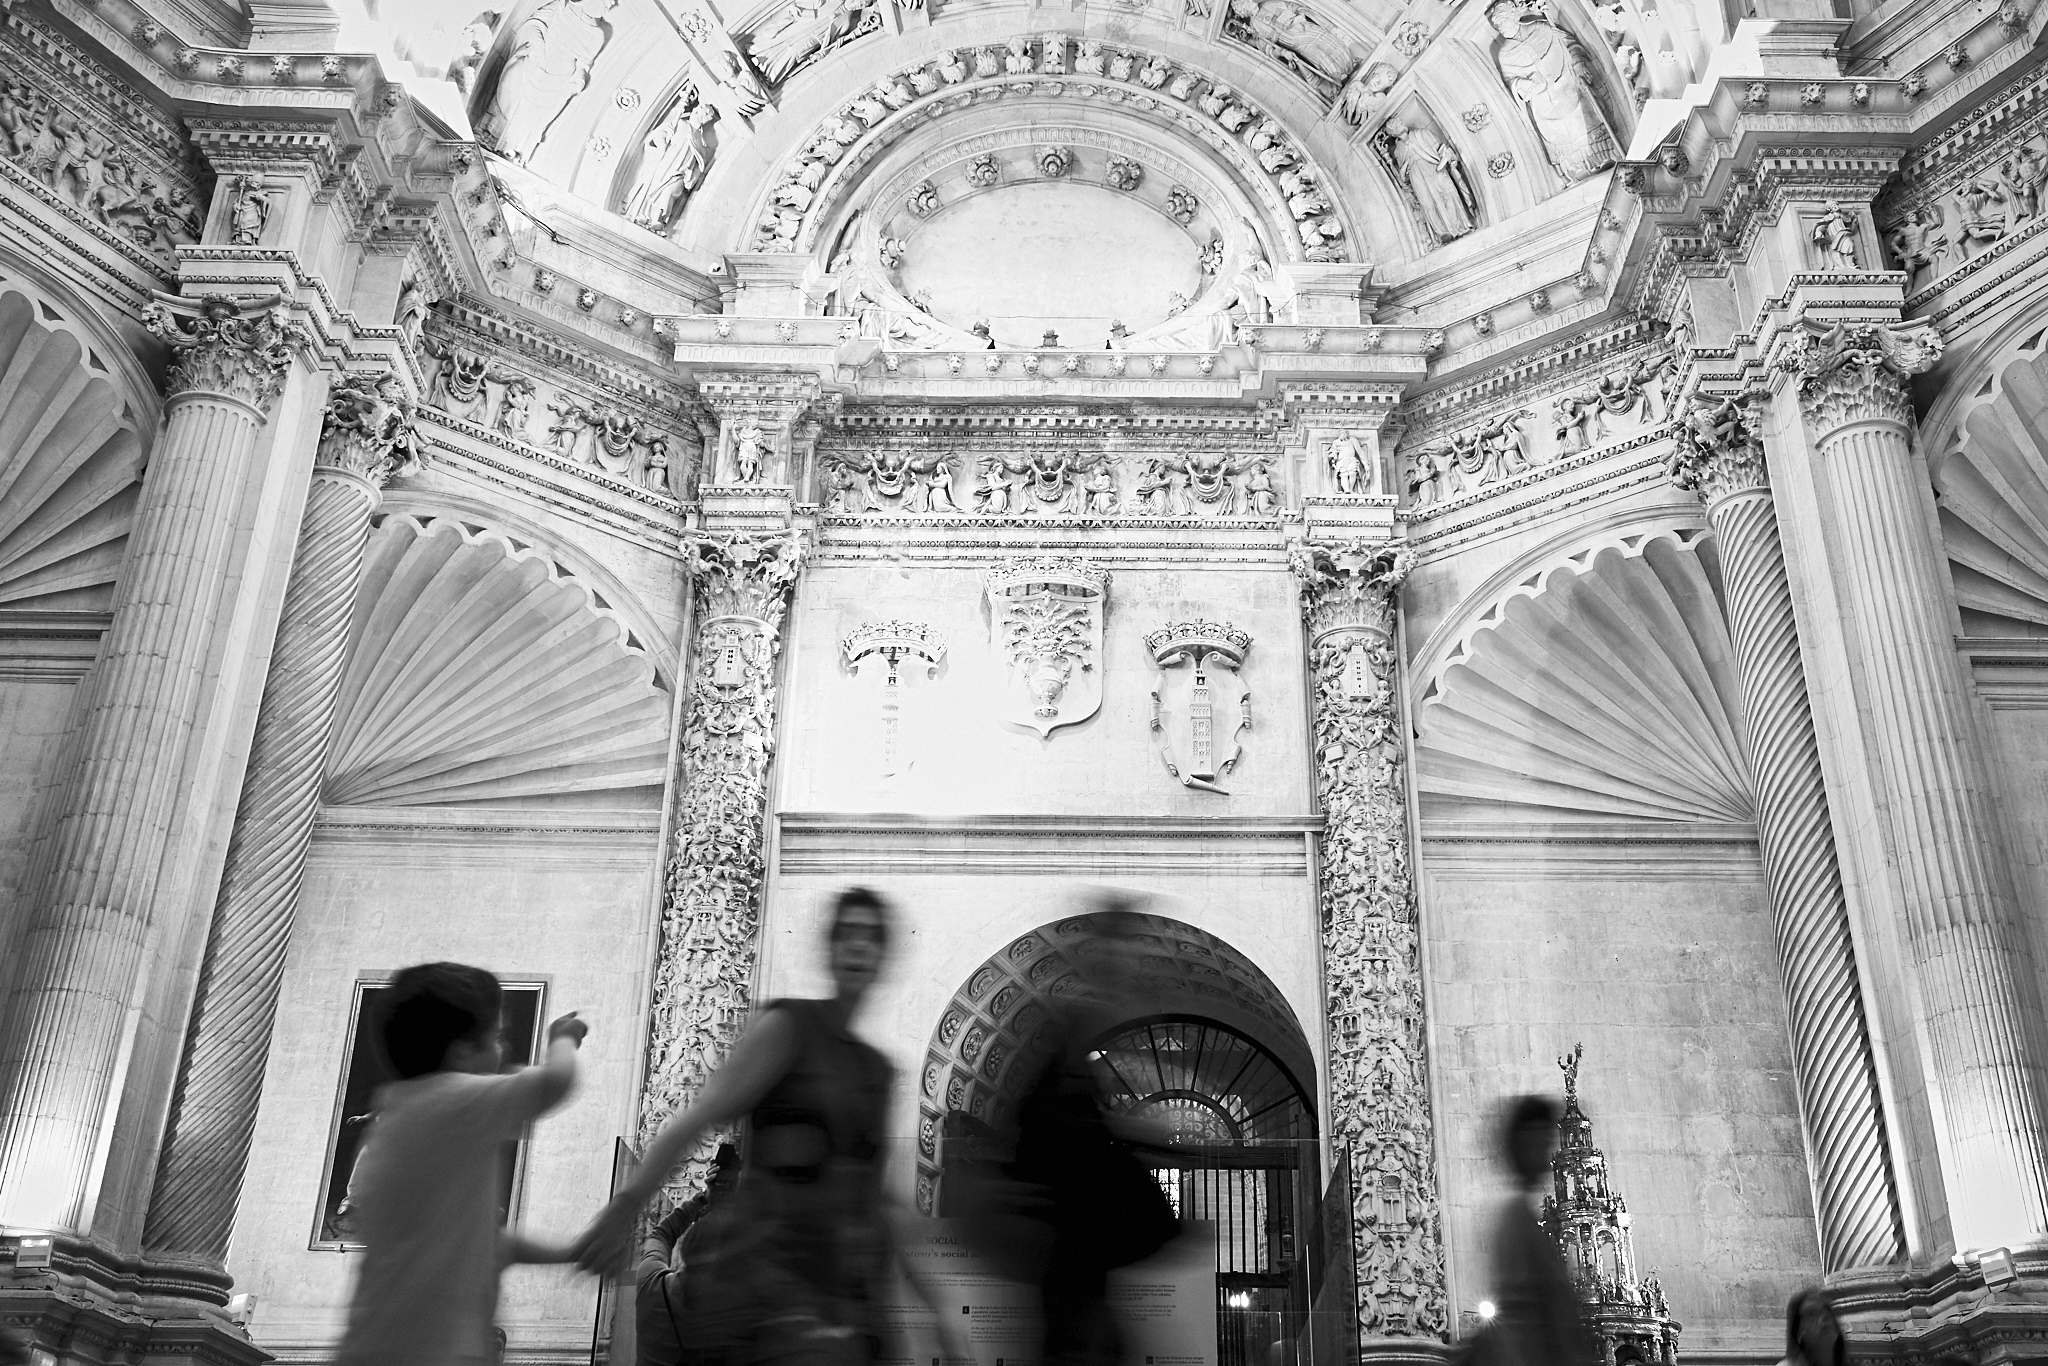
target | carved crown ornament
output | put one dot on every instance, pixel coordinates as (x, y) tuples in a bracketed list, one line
[(1200, 705), (894, 641), (241, 351), (1858, 371), (1046, 619)]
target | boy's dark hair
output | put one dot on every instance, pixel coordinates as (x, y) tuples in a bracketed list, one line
[(433, 1005), (861, 899), (1795, 1349)]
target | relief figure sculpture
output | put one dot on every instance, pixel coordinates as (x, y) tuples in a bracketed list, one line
[(1552, 78), (552, 54), (1435, 178), (677, 156)]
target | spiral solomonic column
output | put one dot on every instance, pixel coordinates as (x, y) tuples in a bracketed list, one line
[(1979, 990), (366, 439), (91, 904), (1372, 947), (711, 903), (1721, 457)]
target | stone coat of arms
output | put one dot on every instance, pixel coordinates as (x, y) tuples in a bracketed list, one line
[(1201, 703), (1045, 620)]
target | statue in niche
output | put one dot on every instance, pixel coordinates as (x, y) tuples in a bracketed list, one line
[(1160, 488), (1986, 206), (1296, 39), (1434, 177), (515, 410), (1349, 464), (1552, 78), (843, 488), (1100, 490), (748, 452), (676, 159), (1835, 235), (804, 33), (566, 431), (409, 315), (1919, 242), (654, 470), (1261, 498), (938, 486), (549, 65), (250, 212), (994, 490)]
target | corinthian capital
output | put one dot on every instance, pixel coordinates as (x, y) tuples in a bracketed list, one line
[(1718, 451), (368, 430), (222, 347), (1857, 372), (1349, 585), (742, 575)]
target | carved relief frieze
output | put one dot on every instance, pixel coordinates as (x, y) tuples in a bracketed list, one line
[(1045, 621), (892, 649), (1372, 952), (626, 438), (792, 211), (83, 140), (711, 906), (1201, 704)]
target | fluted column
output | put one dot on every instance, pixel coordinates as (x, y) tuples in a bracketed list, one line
[(1980, 995), (711, 904), (366, 439), (1379, 1108), (1720, 456), (91, 897)]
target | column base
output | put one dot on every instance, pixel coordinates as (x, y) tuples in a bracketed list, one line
[(89, 1308), (1940, 1313), (1374, 1351)]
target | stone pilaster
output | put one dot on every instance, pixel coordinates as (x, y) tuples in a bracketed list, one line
[(366, 439), (1379, 1107), (760, 430), (92, 906), (1980, 996), (711, 904), (1720, 456)]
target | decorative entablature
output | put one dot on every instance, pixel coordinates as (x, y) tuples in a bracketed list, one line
[(536, 345), (1941, 49)]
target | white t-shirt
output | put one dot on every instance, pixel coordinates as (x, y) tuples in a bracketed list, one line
[(425, 1192)]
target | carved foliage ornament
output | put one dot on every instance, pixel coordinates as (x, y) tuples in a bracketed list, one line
[(711, 908), (1857, 372), (368, 430), (1372, 978), (219, 349), (1718, 451), (1200, 704), (1045, 618)]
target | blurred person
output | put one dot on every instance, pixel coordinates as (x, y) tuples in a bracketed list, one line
[(425, 1185), (682, 1239), (1813, 1335), (1537, 1322), (803, 1239)]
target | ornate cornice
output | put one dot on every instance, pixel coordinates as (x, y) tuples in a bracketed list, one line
[(1716, 449), (1349, 585), (368, 430), (237, 351), (1858, 372), (742, 575)]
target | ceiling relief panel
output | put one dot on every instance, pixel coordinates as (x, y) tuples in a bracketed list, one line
[(480, 670), (1992, 498), (1603, 687)]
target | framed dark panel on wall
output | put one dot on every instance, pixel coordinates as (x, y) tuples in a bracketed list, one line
[(365, 1070)]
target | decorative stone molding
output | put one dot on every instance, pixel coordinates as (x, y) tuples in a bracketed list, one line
[(1045, 619), (1716, 450), (1186, 701), (1857, 372), (759, 416), (711, 907), (1379, 1103), (225, 348), (368, 430)]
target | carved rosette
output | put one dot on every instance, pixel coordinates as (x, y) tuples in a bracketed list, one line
[(218, 348), (711, 905), (1858, 372), (368, 430), (1372, 951), (1718, 452)]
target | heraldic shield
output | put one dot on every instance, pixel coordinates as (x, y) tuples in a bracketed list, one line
[(1200, 703), (1045, 619)]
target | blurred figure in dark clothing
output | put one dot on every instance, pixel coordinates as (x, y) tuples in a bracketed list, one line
[(1538, 1321), (659, 1309), (1075, 1162), (1813, 1336)]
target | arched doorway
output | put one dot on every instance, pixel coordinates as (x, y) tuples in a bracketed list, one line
[(1207, 1047)]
